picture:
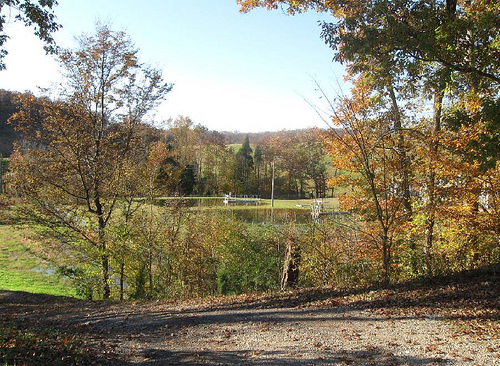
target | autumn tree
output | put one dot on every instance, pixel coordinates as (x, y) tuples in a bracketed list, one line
[(418, 50), (364, 145), (315, 161), (187, 150), (291, 159), (74, 171), (37, 14), (217, 163), (185, 139), (204, 160), (468, 177)]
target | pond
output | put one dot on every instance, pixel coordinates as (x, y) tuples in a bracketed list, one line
[(191, 201), (263, 215), (247, 209)]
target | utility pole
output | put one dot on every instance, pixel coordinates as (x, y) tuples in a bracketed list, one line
[(272, 194)]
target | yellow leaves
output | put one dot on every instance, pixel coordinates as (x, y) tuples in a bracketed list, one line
[(473, 103), (348, 202), (340, 180), (158, 153), (293, 6)]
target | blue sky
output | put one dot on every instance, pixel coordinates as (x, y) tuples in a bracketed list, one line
[(235, 72)]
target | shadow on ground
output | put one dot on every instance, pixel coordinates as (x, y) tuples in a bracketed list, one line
[(337, 357), (47, 330)]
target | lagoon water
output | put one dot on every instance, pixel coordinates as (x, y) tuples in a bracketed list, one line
[(261, 216), (246, 212)]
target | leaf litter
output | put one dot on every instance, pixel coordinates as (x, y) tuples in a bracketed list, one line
[(451, 320)]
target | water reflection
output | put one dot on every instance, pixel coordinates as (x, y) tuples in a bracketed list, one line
[(238, 211), (190, 202), (261, 216)]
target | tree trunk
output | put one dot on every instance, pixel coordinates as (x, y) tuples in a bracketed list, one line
[(431, 182), (404, 160), (150, 271), (404, 165), (122, 279), (429, 240), (290, 276), (105, 275), (386, 252), (102, 244)]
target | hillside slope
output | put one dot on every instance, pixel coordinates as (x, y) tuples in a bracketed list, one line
[(7, 133)]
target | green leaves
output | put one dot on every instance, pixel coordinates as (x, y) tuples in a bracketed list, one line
[(39, 15), (483, 146)]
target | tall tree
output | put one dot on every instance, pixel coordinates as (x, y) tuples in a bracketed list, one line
[(361, 143), (75, 174), (37, 14), (258, 159), (217, 158)]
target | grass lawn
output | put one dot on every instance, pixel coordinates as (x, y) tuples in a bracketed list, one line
[(304, 203), (21, 270)]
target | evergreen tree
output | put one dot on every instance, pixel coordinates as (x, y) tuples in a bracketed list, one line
[(244, 168)]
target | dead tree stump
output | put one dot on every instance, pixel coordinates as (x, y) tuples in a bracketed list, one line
[(290, 276)]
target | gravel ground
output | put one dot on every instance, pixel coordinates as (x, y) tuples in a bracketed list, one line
[(294, 336), (447, 325)]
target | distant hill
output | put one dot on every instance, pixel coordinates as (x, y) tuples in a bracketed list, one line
[(256, 138), (7, 133)]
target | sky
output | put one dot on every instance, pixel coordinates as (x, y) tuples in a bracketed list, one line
[(250, 72)]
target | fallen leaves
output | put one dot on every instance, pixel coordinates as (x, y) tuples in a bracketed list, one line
[(30, 346), (470, 304)]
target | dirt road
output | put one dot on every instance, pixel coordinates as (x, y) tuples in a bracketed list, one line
[(452, 324)]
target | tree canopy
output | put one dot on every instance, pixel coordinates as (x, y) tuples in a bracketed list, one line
[(37, 14)]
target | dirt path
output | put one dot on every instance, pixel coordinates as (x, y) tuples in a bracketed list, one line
[(298, 336), (306, 328)]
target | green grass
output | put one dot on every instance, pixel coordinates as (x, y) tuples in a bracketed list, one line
[(236, 147), (21, 270), (300, 203)]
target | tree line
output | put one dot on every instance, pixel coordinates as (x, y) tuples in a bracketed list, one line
[(210, 167)]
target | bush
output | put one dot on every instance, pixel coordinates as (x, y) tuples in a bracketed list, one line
[(250, 260)]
